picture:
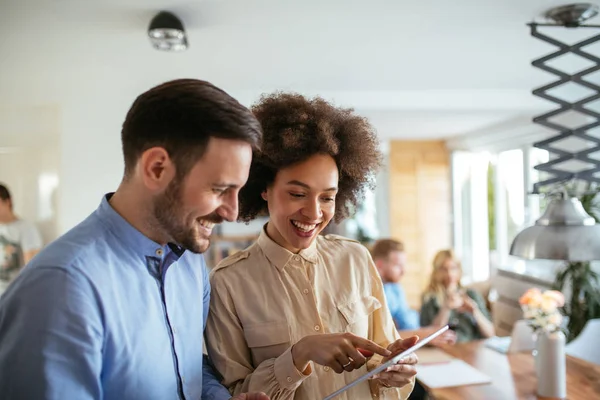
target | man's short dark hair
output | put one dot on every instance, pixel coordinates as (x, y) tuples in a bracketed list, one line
[(181, 116), (383, 247), (4, 193)]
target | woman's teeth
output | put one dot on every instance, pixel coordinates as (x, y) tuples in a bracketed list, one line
[(304, 227)]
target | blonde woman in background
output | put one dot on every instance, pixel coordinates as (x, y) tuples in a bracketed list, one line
[(447, 302)]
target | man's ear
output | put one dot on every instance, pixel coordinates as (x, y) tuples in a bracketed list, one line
[(378, 263), (156, 168)]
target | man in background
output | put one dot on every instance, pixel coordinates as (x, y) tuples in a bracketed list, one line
[(20, 240), (390, 260)]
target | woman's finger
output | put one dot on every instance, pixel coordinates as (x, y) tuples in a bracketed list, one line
[(410, 359), (336, 366), (356, 356), (398, 370), (345, 362)]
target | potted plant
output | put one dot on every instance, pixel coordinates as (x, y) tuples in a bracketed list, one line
[(579, 279)]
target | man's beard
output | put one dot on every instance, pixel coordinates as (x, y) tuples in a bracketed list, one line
[(170, 217)]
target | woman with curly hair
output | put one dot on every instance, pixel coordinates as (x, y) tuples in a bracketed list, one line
[(298, 315)]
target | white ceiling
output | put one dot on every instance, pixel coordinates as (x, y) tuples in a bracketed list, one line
[(418, 69)]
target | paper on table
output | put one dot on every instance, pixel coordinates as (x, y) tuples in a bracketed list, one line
[(450, 374), (432, 355), (500, 344)]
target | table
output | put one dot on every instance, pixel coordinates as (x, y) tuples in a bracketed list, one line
[(513, 375)]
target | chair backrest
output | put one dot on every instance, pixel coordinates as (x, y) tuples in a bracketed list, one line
[(587, 345), (522, 338)]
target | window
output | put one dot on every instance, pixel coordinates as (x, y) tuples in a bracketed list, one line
[(535, 204), (470, 210), (492, 203), (363, 225)]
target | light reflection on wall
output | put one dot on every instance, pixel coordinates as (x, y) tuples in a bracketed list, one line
[(47, 186)]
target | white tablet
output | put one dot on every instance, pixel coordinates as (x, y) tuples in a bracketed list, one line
[(390, 362)]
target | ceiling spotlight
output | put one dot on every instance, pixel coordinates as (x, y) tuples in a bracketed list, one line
[(572, 15), (166, 32)]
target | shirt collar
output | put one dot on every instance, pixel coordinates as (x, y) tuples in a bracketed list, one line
[(280, 256), (129, 235)]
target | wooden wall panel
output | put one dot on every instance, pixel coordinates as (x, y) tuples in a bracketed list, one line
[(420, 207)]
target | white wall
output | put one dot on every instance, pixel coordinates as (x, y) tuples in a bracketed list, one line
[(91, 162), (90, 61), (31, 174), (30, 163)]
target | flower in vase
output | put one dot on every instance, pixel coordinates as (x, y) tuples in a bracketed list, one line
[(529, 314), (541, 310), (548, 305), (532, 298), (554, 295), (555, 319)]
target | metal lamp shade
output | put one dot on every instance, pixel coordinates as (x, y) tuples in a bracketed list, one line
[(564, 232)]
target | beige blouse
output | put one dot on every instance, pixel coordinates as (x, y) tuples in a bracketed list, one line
[(265, 298)]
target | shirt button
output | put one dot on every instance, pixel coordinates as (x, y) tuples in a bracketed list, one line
[(159, 252), (174, 331), (317, 328), (182, 379), (326, 369), (305, 291), (289, 378), (296, 258)]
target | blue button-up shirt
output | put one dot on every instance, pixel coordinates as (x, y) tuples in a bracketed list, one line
[(106, 313), (404, 317)]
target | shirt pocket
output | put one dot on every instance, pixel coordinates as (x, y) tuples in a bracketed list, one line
[(356, 314), (267, 340)]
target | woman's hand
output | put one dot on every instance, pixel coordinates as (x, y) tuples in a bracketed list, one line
[(402, 373), (453, 301), (446, 338), (338, 351), (468, 305)]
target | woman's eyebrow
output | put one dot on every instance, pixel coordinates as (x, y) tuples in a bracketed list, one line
[(304, 185)]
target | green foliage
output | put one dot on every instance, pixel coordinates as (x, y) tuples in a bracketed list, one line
[(584, 301)]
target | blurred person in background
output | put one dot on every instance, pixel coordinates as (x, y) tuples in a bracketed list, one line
[(20, 240), (446, 301)]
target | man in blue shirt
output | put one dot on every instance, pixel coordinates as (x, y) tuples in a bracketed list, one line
[(116, 308), (390, 259)]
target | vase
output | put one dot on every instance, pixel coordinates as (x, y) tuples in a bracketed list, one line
[(534, 353), (551, 365)]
